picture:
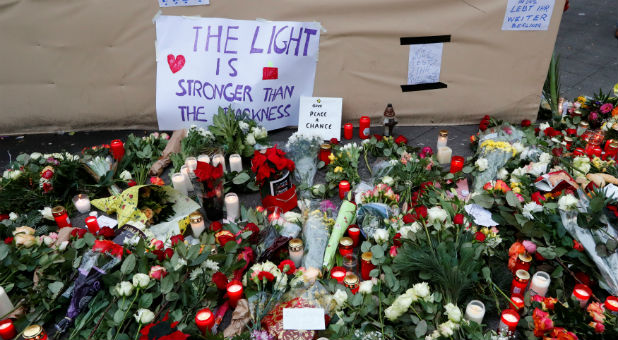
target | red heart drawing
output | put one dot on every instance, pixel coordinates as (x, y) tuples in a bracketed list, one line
[(270, 73), (176, 63)]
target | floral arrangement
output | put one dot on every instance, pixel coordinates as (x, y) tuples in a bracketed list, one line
[(266, 164), (237, 133), (343, 166)]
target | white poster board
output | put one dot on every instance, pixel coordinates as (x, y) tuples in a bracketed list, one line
[(259, 68), (320, 116), (528, 15)]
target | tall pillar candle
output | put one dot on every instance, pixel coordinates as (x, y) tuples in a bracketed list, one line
[(6, 306), (364, 127), (191, 163), (232, 206), (296, 249), (348, 131), (235, 163), (444, 155), (197, 224), (219, 159), (179, 183)]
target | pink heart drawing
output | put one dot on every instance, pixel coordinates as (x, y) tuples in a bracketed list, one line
[(176, 63)]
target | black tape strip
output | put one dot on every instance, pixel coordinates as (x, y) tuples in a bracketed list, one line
[(425, 40), (422, 87)]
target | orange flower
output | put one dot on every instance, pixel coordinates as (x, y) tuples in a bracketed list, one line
[(156, 180), (560, 333), (615, 111), (542, 322), (502, 186)]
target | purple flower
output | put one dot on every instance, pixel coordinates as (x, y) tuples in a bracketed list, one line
[(326, 205), (593, 116), (53, 161), (261, 335), (606, 108)]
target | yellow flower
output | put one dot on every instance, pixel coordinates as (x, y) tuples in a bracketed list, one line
[(581, 99), (338, 169), (332, 157), (517, 190)]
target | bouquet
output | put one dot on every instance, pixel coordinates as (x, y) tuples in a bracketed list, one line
[(268, 163), (343, 166), (302, 150), (211, 178), (237, 133)]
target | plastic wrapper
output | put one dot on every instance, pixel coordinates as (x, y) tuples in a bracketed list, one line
[(315, 235), (345, 217), (291, 230), (303, 151), (370, 217), (589, 238)]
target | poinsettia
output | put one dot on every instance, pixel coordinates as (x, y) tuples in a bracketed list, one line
[(207, 172), (266, 164)]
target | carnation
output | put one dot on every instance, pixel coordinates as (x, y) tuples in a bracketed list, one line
[(567, 202), (581, 164), (421, 290), (503, 174), (124, 288), (529, 208), (482, 164), (545, 158)]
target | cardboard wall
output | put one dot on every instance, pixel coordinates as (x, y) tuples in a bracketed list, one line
[(90, 64)]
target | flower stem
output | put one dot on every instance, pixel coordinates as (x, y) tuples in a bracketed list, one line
[(139, 328), (125, 314)]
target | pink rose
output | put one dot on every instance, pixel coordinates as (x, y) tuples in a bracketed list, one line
[(156, 244), (157, 272), (530, 246)]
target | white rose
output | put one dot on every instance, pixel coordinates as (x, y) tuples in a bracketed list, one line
[(447, 328), (47, 240), (388, 180), (436, 214), (581, 164), (545, 158), (502, 174), (141, 280), (543, 126), (567, 202), (124, 288), (13, 216), (365, 287), (518, 147), (340, 297), (243, 126), (292, 217), (144, 316), (421, 290), (529, 208), (380, 236), (14, 174), (391, 313), (23, 230), (537, 169), (482, 164), (35, 155), (47, 213), (411, 294), (250, 139), (63, 245), (519, 172), (25, 240), (453, 312), (403, 302), (125, 175)]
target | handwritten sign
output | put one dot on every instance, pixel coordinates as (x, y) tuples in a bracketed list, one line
[(320, 116), (259, 68), (175, 3), (424, 63), (528, 15), (303, 318)]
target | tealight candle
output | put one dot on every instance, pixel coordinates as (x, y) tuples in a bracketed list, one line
[(235, 163), (338, 273), (6, 306), (204, 319), (444, 155), (351, 281), (457, 164), (354, 234), (582, 293), (92, 224), (203, 158), (234, 292), (348, 130), (611, 303), (7, 329), (539, 284), (508, 321), (117, 148), (219, 159), (475, 311), (179, 183), (325, 152), (197, 223), (191, 163), (232, 206), (82, 203), (184, 170), (344, 188), (297, 251), (442, 139)]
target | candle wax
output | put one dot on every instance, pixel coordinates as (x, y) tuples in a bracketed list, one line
[(205, 315), (234, 288), (584, 294), (613, 303), (510, 318)]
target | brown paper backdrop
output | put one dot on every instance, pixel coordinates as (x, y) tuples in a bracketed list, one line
[(90, 64)]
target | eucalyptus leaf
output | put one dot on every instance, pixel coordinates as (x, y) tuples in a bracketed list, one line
[(421, 329), (128, 264)]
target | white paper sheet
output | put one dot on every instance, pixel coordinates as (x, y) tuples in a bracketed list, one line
[(320, 116), (481, 215), (303, 318), (176, 3), (528, 15), (424, 63)]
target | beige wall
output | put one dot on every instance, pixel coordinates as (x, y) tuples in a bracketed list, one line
[(90, 64)]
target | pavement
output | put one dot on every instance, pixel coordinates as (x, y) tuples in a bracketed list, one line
[(587, 47)]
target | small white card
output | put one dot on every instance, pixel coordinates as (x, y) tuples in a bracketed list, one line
[(424, 63), (305, 319), (481, 215), (528, 15), (320, 116), (611, 191), (177, 3), (105, 221)]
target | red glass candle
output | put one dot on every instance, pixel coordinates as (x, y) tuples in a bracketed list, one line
[(517, 302), (348, 131), (346, 246), (7, 329), (366, 265), (117, 148), (597, 151), (611, 303), (520, 282), (611, 151), (582, 293), (234, 292), (363, 129), (325, 151), (607, 143), (568, 142), (508, 321), (344, 188), (205, 319), (457, 164), (354, 234), (578, 152), (92, 224), (61, 217), (351, 281), (34, 332), (338, 273), (524, 260)]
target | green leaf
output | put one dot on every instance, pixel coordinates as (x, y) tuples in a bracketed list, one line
[(167, 284), (421, 329), (486, 274), (78, 244), (365, 246), (55, 287), (118, 316), (511, 199), (241, 178), (128, 264), (89, 238), (546, 252), (172, 296), (557, 272), (4, 251), (145, 300), (377, 251)]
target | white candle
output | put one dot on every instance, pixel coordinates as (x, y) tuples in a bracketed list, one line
[(82, 203), (197, 224), (188, 175), (235, 163), (6, 306), (203, 158), (338, 274), (442, 139), (539, 283), (219, 159), (232, 206), (582, 295), (444, 155), (191, 163), (178, 180), (475, 311), (297, 251)]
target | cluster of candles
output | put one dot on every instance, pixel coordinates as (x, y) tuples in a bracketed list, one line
[(594, 141), (205, 318), (182, 180), (7, 329), (348, 274), (444, 154)]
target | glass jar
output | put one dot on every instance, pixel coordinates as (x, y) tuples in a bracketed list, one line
[(325, 151), (520, 282), (61, 217), (296, 249), (351, 281), (346, 246), (523, 262), (366, 265)]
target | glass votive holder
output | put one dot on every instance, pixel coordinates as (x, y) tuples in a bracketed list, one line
[(350, 263)]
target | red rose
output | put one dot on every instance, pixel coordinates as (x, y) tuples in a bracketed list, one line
[(486, 117), (377, 137), (106, 232), (47, 174), (287, 264), (255, 232), (584, 278), (177, 238), (163, 254), (536, 131), (169, 252), (47, 187), (4, 217), (479, 236), (157, 244), (216, 226), (571, 132), (393, 251), (401, 140), (538, 198), (408, 218), (577, 246), (458, 219), (78, 232), (223, 237), (8, 240), (131, 183), (220, 280), (557, 152), (110, 247), (397, 240), (526, 123), (421, 211), (334, 141)]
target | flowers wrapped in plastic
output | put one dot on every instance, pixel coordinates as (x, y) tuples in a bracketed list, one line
[(496, 148), (302, 150)]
